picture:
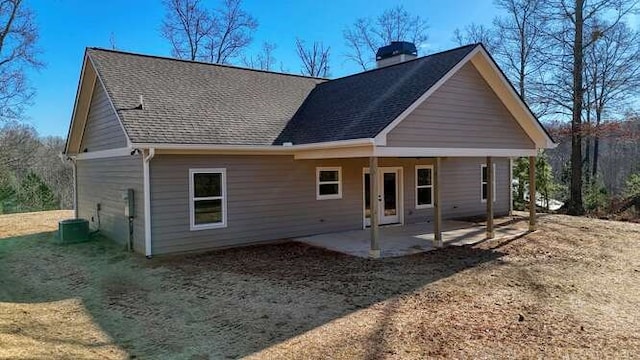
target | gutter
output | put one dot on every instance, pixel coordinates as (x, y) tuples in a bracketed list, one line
[(267, 148), (147, 201)]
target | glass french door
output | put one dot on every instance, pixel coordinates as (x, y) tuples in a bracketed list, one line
[(388, 188)]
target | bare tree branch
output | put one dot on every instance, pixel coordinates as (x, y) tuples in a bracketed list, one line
[(18, 52), (185, 26), (315, 59), (365, 36), (263, 60), (196, 33)]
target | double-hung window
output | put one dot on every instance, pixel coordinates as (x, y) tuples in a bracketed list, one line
[(484, 180), (424, 186), (328, 183), (208, 198)]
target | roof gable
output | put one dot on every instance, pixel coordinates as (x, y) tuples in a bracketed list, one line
[(198, 103), (362, 105)]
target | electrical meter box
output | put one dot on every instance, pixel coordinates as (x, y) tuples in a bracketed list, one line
[(129, 205)]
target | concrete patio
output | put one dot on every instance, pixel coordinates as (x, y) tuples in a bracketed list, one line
[(396, 240)]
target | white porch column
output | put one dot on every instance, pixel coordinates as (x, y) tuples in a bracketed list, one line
[(490, 180), (437, 209), (374, 251), (510, 186), (532, 193)]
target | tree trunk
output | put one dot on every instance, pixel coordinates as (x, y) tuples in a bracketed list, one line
[(575, 206), (596, 145)]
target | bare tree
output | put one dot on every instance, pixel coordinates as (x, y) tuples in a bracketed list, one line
[(196, 33), (520, 31), (477, 33), (612, 73), (263, 60), (231, 32), (18, 52), (565, 27), (366, 35), (315, 59), (186, 25)]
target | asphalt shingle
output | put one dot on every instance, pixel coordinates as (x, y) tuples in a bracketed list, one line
[(197, 103), (362, 105)]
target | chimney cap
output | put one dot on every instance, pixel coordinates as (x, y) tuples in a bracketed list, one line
[(396, 48)]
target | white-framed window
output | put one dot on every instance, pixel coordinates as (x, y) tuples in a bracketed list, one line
[(328, 183), (424, 186), (207, 198), (484, 179)]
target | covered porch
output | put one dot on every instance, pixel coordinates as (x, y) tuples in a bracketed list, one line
[(394, 240)]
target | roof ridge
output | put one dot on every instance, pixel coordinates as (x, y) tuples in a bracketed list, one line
[(408, 61), (203, 63)]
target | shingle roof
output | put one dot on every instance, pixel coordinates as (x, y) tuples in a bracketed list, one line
[(362, 105), (198, 103)]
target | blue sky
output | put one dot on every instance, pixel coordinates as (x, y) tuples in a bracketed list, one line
[(68, 26)]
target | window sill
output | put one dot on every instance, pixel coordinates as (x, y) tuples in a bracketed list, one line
[(328, 197), (422, 207), (208, 226)]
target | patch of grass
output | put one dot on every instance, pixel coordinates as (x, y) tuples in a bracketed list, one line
[(567, 290)]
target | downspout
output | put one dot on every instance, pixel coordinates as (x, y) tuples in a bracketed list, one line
[(74, 170), (75, 187), (147, 202)]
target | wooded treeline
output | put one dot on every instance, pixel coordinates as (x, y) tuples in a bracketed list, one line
[(33, 177)]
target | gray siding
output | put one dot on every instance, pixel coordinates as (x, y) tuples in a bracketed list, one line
[(102, 130), (103, 181), (274, 197), (465, 113)]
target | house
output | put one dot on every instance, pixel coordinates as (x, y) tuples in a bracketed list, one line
[(174, 156)]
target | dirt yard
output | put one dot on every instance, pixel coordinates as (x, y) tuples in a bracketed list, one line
[(569, 290)]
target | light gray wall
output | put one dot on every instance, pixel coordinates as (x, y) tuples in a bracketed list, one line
[(274, 197), (463, 113), (103, 181), (103, 130)]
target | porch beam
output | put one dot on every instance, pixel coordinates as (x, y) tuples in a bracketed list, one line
[(437, 209), (374, 199), (490, 180), (532, 193)]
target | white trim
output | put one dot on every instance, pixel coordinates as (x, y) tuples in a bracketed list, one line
[(448, 152), (118, 152), (222, 197), (482, 182), (318, 183), (274, 148), (345, 153), (147, 201), (417, 186), (399, 188), (113, 108), (381, 138), (75, 103), (86, 116)]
